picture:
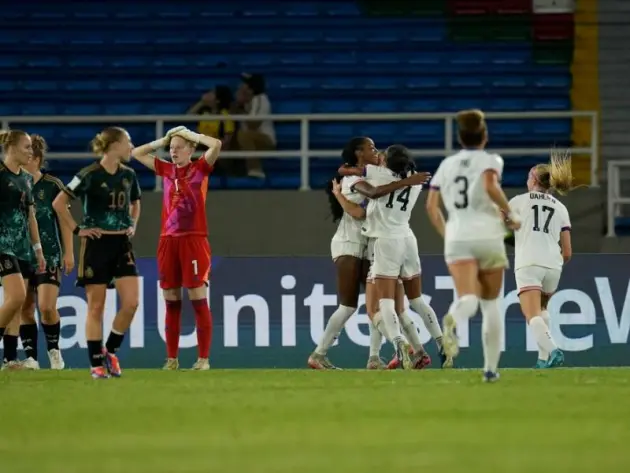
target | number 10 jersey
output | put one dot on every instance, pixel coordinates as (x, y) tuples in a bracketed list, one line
[(471, 213)]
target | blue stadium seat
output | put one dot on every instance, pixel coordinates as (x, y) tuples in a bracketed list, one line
[(318, 56)]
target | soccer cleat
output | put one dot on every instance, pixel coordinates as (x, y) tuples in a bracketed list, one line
[(202, 364), (99, 372), (556, 358), (445, 360), (56, 360), (375, 363), (112, 364), (420, 360), (394, 363), (320, 362), (172, 364), (13, 365), (30, 364), (450, 343), (490, 377), (402, 353), (541, 364)]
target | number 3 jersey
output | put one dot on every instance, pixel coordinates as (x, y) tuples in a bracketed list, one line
[(388, 216), (543, 218), (471, 213)]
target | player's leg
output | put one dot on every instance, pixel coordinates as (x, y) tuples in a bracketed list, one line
[(171, 283), (94, 273), (11, 337), (196, 265), (349, 271), (47, 296), (412, 287), (492, 264), (462, 265), (14, 296), (376, 323), (125, 273), (388, 260), (550, 283), (28, 326)]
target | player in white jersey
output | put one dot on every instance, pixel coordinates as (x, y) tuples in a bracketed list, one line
[(395, 249), (467, 183), (538, 260), (371, 298), (347, 248)]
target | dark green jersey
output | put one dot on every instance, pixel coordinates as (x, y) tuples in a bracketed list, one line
[(44, 192), (16, 198), (106, 197)]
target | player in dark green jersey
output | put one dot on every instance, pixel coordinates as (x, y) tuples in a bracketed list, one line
[(19, 235), (43, 288), (111, 207)]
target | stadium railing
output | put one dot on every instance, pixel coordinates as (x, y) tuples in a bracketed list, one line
[(305, 153), (615, 199)]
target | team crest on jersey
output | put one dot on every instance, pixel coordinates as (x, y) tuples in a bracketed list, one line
[(40, 194), (126, 184)]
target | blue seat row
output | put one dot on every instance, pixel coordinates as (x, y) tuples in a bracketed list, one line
[(297, 106), (398, 83)]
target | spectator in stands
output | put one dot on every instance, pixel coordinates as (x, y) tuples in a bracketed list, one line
[(216, 102), (255, 135)]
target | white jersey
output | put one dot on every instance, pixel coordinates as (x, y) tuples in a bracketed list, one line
[(471, 213), (388, 216), (349, 228), (543, 218)]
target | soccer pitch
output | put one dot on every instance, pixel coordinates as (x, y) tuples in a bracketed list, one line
[(564, 420)]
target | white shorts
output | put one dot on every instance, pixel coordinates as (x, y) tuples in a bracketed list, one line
[(489, 254), (395, 258), (537, 277), (347, 248)]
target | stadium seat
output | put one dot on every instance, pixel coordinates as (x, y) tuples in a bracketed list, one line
[(318, 57)]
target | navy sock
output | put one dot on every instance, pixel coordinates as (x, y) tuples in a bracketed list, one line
[(52, 333), (28, 334), (95, 352)]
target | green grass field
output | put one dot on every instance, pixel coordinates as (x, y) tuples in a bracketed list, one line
[(556, 421)]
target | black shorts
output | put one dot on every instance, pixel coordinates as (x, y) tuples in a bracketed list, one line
[(9, 264), (50, 276), (105, 259)]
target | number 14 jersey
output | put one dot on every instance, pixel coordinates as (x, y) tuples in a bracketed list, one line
[(543, 218), (471, 213), (388, 216)]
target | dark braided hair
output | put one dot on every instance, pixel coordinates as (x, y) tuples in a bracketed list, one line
[(349, 157), (400, 161)]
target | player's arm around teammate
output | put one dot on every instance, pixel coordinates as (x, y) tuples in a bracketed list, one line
[(108, 190)]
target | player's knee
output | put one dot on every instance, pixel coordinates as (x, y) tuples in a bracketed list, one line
[(467, 305), (28, 316), (129, 305), (96, 310), (48, 313)]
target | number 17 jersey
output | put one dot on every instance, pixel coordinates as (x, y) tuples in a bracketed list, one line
[(543, 218), (388, 216), (471, 213)]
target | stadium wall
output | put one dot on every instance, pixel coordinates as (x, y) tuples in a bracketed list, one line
[(291, 223), (269, 312)]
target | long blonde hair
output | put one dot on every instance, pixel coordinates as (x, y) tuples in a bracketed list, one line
[(557, 175)]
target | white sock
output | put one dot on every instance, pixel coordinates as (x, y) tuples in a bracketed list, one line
[(426, 312), (542, 335), (464, 308), (376, 339), (491, 332), (410, 331), (333, 328), (542, 353), (388, 314)]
